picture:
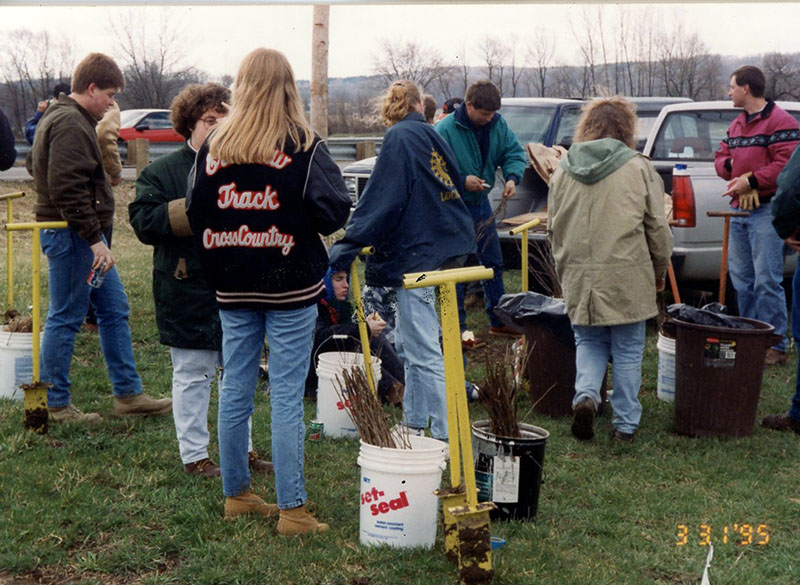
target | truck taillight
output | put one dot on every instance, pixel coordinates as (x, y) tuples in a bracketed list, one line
[(684, 211)]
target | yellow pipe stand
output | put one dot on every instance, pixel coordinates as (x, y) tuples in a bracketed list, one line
[(466, 522), (524, 253), (9, 197), (36, 393), (355, 283)]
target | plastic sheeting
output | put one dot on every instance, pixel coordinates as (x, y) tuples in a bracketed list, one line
[(711, 315), (529, 308)]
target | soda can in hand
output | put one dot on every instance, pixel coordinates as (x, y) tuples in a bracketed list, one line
[(97, 276)]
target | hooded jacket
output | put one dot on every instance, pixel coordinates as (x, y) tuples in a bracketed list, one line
[(785, 205), (608, 232), (479, 151), (411, 210)]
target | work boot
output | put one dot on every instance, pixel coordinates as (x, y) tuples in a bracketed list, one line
[(781, 422), (299, 521), (203, 468), (583, 419), (257, 464), (141, 405), (775, 357), (70, 414), (248, 503), (620, 437)]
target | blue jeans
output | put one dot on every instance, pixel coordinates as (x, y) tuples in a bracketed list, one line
[(756, 269), (290, 335), (70, 261), (417, 340), (490, 256), (625, 343)]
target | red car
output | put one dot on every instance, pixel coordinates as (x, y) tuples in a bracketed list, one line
[(154, 125)]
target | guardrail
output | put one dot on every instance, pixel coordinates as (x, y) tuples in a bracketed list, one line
[(343, 148)]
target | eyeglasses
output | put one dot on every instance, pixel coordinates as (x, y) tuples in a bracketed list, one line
[(210, 121)]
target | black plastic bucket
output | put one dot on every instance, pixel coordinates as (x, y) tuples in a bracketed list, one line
[(508, 471)]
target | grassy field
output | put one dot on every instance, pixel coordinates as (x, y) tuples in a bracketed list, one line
[(111, 504)]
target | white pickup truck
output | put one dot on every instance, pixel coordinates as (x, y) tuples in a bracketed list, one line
[(690, 133)]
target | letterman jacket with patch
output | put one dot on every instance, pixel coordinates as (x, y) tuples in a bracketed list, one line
[(258, 226), (763, 146)]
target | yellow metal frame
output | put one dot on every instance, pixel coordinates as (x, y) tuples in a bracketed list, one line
[(35, 228), (523, 229), (8, 198), (355, 284), (461, 506)]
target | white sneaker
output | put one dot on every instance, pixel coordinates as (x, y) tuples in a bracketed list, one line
[(402, 430), (473, 393)]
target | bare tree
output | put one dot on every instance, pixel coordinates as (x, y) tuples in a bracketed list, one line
[(409, 60), (540, 53), (152, 57), (517, 65), (494, 53), (783, 76), (688, 70), (585, 35), (36, 62)]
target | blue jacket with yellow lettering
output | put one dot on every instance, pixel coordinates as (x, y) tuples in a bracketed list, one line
[(411, 210)]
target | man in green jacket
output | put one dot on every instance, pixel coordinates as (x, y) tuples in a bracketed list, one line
[(482, 142), (72, 186), (186, 304)]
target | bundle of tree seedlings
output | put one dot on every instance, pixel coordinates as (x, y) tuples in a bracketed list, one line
[(543, 267), (499, 396), (16, 323), (364, 408)]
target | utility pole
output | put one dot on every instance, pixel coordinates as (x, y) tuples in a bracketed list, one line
[(319, 71)]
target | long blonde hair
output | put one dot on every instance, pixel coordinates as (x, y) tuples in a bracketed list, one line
[(401, 99), (266, 110)]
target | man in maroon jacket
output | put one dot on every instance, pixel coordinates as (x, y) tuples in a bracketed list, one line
[(759, 143)]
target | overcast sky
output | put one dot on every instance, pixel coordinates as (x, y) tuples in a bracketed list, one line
[(217, 37)]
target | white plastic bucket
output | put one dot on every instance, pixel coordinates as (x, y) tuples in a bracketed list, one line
[(398, 504), (331, 411), (16, 363), (666, 368)]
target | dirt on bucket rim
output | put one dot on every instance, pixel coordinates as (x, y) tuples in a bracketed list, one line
[(13, 322)]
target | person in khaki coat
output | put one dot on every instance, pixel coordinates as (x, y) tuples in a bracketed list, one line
[(611, 245)]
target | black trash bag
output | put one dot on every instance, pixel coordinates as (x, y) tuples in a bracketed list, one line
[(529, 308), (705, 316)]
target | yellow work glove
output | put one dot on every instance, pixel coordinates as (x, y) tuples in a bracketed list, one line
[(749, 200)]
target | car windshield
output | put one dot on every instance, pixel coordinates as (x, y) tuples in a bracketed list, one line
[(529, 123), (128, 117)]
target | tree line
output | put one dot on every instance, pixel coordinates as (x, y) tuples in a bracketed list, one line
[(636, 54)]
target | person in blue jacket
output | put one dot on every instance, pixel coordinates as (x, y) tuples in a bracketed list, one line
[(785, 207), (33, 121), (413, 212), (482, 142)]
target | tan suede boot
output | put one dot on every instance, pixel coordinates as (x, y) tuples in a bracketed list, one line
[(141, 405), (299, 521), (248, 503)]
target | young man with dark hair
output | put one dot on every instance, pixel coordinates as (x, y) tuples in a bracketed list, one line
[(482, 141), (759, 143), (72, 186)]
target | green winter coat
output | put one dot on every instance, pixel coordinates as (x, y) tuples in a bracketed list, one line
[(505, 151), (610, 239), (186, 305)]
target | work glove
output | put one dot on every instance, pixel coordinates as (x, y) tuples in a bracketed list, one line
[(749, 200)]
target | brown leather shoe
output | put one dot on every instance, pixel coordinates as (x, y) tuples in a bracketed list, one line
[(203, 468), (781, 422), (583, 419), (775, 357), (299, 521), (248, 503), (257, 464), (620, 437)]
